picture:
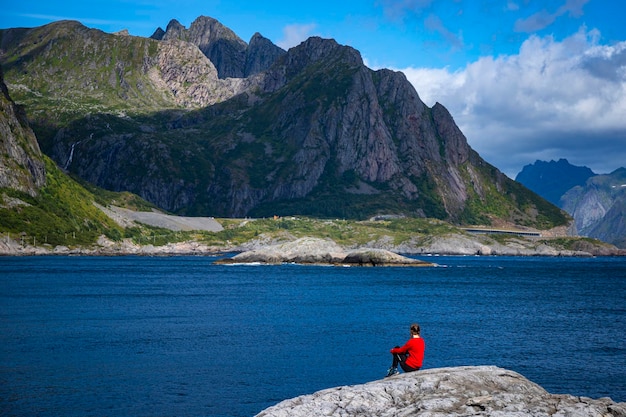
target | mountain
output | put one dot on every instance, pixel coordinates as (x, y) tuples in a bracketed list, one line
[(552, 179), (39, 203), (21, 162), (200, 123), (231, 56), (599, 207), (597, 202)]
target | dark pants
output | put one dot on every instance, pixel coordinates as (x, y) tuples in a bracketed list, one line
[(400, 358)]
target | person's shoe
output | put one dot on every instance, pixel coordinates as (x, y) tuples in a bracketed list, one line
[(392, 371)]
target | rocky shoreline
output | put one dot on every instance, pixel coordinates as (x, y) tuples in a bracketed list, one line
[(452, 244), (458, 391)]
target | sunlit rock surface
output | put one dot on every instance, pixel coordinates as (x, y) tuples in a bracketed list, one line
[(322, 251), (459, 391)]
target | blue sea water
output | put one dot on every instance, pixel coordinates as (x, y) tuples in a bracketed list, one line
[(180, 336)]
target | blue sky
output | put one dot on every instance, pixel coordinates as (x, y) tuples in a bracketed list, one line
[(524, 79)]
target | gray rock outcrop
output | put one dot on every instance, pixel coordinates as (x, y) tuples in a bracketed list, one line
[(232, 57), (321, 251), (599, 207), (21, 162), (597, 202), (193, 80), (261, 53), (459, 391), (220, 44)]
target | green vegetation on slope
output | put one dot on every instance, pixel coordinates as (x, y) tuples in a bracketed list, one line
[(62, 213), (509, 200), (343, 232), (64, 71)]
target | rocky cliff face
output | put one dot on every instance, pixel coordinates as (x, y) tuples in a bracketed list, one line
[(261, 53), (462, 391), (597, 202), (232, 57), (599, 207), (312, 132), (376, 126), (21, 164), (190, 77)]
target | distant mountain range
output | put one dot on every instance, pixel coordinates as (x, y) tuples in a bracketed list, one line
[(597, 202), (199, 122)]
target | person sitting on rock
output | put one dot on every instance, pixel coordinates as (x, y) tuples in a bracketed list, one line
[(409, 356)]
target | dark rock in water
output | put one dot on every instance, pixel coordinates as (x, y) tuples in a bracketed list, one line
[(460, 391)]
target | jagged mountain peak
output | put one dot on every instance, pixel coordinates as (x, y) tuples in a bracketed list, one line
[(174, 27), (212, 29), (259, 39), (309, 53), (217, 42), (552, 179), (316, 48), (597, 202), (261, 54), (599, 207), (173, 30), (158, 34), (232, 57), (257, 36)]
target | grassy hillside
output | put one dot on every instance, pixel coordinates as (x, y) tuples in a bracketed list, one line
[(344, 232), (510, 200), (65, 71), (62, 213)]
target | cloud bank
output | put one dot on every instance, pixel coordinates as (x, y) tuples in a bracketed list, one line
[(552, 100)]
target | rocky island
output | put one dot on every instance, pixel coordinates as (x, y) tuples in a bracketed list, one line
[(314, 251), (458, 391)]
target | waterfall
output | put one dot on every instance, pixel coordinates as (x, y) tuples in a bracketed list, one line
[(69, 159)]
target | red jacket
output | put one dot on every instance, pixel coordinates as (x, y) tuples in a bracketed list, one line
[(415, 348)]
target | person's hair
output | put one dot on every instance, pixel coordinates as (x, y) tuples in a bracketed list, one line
[(415, 329)]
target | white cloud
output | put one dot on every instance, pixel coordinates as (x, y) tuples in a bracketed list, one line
[(552, 100), (295, 34)]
